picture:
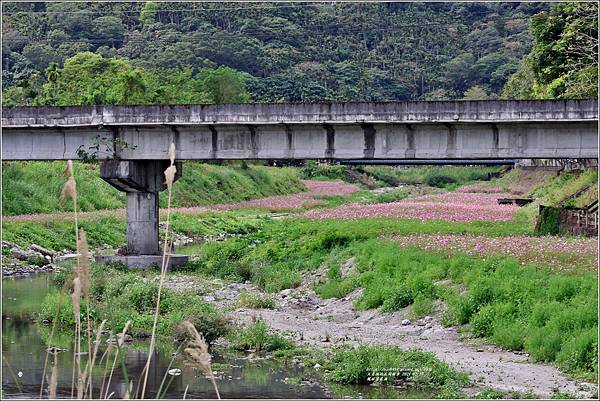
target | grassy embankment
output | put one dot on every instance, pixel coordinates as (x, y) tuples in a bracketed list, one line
[(573, 189), (34, 187)]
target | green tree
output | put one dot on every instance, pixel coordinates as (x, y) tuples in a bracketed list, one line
[(88, 78), (40, 55), (565, 54), (109, 29), (520, 84), (148, 13), (225, 85), (476, 93)]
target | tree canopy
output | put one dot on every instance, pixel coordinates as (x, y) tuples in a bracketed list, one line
[(564, 60), (199, 52)]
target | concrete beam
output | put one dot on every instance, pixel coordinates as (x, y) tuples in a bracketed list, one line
[(434, 141), (402, 130)]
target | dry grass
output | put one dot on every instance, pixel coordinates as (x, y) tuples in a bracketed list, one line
[(197, 352), (170, 178)]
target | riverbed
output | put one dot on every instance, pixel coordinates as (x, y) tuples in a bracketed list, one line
[(238, 375)]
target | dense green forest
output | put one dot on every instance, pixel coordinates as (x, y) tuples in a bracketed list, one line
[(153, 52)]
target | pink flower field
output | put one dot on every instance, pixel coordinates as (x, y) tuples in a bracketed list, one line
[(556, 252), (275, 203), (451, 206), (285, 202)]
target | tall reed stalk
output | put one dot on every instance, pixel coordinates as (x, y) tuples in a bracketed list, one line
[(169, 178), (197, 351)]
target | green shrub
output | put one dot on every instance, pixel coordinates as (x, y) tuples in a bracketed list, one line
[(62, 303), (258, 338), (490, 394), (439, 178), (399, 299), (482, 323), (359, 366), (312, 170), (580, 352), (386, 175), (544, 343), (422, 306), (549, 221), (509, 335)]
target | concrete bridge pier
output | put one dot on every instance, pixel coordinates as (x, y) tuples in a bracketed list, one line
[(142, 180)]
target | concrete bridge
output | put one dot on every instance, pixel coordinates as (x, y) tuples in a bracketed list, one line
[(132, 141)]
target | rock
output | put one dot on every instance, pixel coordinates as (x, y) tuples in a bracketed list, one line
[(68, 256), (347, 267), (42, 250), (286, 292), (427, 319), (317, 366), (209, 298), (313, 298), (405, 322)]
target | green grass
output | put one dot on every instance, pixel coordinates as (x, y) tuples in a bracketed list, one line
[(60, 234), (206, 184), (259, 338), (390, 364), (34, 187), (118, 296), (111, 230), (558, 189), (275, 256)]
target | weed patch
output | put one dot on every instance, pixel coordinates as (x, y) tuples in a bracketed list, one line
[(259, 338), (368, 364), (119, 296)]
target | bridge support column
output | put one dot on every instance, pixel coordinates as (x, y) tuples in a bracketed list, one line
[(142, 223), (142, 181)]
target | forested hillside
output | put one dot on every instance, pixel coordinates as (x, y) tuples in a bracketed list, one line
[(153, 52), (156, 52)]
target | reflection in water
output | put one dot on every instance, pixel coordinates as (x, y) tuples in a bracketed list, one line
[(25, 352), (240, 378)]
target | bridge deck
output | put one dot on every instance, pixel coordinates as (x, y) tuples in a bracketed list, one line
[(396, 130)]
